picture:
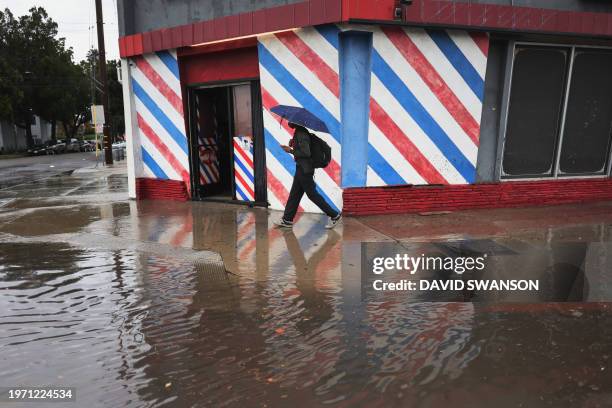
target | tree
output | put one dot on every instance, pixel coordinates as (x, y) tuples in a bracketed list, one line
[(10, 93), (115, 104), (43, 71)]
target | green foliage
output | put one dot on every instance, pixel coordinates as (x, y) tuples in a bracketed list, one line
[(38, 75)]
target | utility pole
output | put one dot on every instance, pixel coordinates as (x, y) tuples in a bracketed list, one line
[(108, 147)]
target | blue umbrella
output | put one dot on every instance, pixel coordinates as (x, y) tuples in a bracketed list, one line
[(300, 116)]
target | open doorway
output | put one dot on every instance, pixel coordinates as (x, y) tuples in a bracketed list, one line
[(228, 155)]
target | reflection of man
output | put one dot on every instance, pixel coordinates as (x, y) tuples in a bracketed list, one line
[(303, 181), (317, 309)]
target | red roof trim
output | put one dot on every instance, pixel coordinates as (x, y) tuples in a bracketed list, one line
[(307, 13), (422, 12), (499, 17)]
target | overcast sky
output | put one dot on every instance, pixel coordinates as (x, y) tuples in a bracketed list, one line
[(76, 20)]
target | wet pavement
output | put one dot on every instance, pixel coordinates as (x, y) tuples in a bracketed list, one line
[(115, 298), (15, 171)]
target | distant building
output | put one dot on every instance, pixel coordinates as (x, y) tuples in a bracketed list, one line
[(431, 104), (13, 138)]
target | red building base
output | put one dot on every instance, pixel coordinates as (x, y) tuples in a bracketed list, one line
[(147, 188), (416, 199)]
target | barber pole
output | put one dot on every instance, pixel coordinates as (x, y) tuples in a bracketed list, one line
[(244, 173)]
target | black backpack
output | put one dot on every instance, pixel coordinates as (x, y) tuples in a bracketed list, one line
[(320, 152)]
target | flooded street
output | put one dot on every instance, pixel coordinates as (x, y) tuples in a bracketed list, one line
[(119, 300)]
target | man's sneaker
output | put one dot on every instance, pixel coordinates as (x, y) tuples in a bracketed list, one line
[(333, 221), (283, 223)]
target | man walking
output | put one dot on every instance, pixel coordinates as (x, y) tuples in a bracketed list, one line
[(303, 181)]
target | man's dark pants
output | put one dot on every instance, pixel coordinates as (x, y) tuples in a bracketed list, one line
[(304, 183)]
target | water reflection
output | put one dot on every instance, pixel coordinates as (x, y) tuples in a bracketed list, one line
[(289, 324)]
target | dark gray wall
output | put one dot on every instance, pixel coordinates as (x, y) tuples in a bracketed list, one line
[(490, 121), (573, 5), (136, 16)]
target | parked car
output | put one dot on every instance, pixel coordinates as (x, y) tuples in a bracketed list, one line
[(59, 147), (119, 145), (38, 149), (86, 146), (73, 146)]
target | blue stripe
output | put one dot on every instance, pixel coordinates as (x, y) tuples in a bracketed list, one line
[(150, 162), (170, 62), (382, 168), (330, 33), (246, 171), (178, 136), (284, 159), (459, 61), (423, 119), (207, 174), (242, 195)]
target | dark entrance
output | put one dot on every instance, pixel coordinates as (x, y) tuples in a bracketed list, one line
[(227, 143)]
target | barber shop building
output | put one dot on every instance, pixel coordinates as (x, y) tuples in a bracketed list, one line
[(431, 105)]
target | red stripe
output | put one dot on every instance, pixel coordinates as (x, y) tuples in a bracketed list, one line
[(333, 168), (185, 230), (243, 154), (434, 81), (245, 186), (248, 249), (163, 149), (481, 40), (311, 60), (404, 145), (159, 83)]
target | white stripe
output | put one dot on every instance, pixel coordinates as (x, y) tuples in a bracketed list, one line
[(163, 135), (373, 179), (147, 172), (470, 49), (392, 156), (445, 69), (425, 96), (160, 100), (413, 132), (316, 42), (164, 72), (159, 159)]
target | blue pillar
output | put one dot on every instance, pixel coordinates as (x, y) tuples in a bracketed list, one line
[(355, 72)]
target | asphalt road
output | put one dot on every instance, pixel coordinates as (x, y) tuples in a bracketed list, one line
[(24, 169)]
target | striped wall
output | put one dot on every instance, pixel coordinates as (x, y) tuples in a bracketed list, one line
[(159, 115), (424, 108), (300, 68)]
